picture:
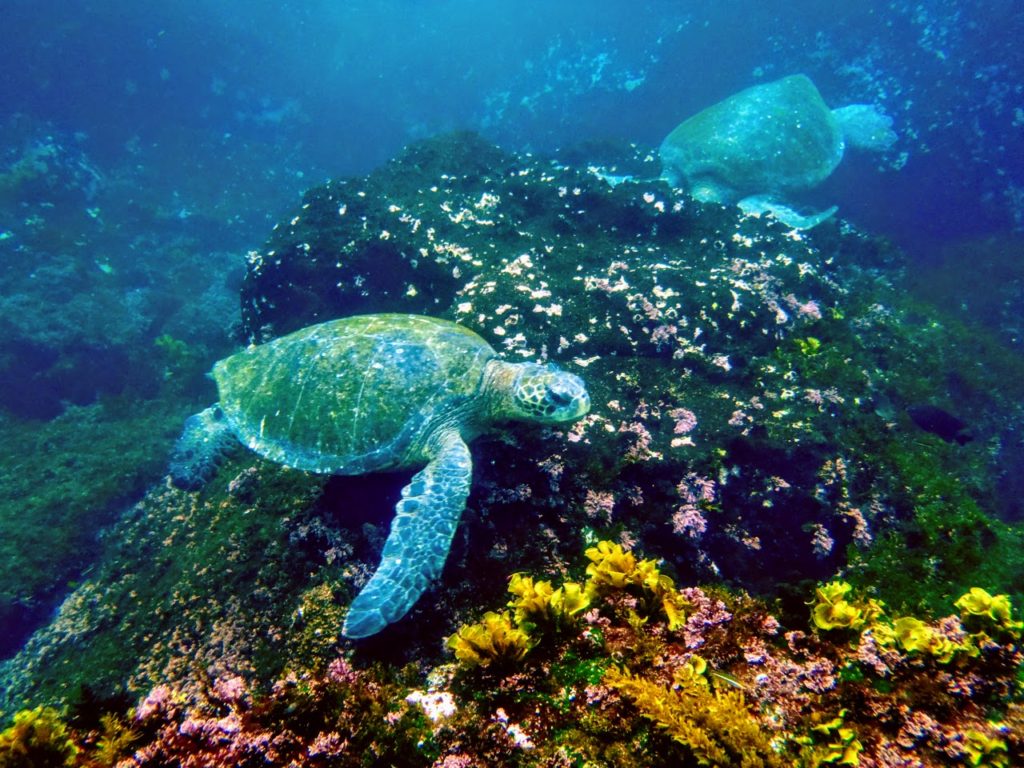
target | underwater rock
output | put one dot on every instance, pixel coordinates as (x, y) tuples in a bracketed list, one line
[(768, 141), (664, 306), (730, 362)]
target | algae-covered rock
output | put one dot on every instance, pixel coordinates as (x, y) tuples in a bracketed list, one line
[(731, 361), (749, 426)]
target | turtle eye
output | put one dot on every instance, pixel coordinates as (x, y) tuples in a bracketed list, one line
[(559, 396)]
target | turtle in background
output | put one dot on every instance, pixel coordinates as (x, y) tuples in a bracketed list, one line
[(763, 143), (371, 393)]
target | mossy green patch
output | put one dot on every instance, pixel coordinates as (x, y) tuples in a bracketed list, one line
[(65, 480), (940, 541), (179, 554)]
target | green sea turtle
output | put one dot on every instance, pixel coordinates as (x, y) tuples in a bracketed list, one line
[(379, 392), (765, 142)]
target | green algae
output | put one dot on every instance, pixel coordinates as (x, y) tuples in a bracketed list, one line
[(792, 442), (170, 573), (63, 482), (941, 540)]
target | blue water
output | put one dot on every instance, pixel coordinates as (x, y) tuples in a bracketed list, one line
[(144, 146), (253, 100)]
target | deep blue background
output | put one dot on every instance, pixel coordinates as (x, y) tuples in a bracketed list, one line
[(200, 122), (285, 94)]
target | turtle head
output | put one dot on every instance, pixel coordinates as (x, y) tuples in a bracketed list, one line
[(547, 394)]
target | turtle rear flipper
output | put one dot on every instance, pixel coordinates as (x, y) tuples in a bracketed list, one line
[(762, 204), (417, 547), (204, 442), (865, 126)]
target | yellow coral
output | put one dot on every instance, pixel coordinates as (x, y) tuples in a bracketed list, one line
[(612, 567), (912, 634), (492, 639), (832, 610), (532, 598), (995, 608), (842, 747), (569, 599), (978, 602), (675, 610), (37, 739), (884, 634), (983, 749), (715, 725), (537, 602), (830, 743), (838, 615)]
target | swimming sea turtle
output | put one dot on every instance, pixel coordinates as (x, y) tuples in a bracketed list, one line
[(378, 392), (762, 143)]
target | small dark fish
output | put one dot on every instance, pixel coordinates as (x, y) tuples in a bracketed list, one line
[(933, 419)]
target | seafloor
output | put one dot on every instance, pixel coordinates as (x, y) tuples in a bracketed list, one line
[(770, 543)]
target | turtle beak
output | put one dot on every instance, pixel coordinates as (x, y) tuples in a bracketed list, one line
[(569, 395)]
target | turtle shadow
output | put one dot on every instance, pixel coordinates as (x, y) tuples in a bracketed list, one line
[(350, 502), (361, 508)]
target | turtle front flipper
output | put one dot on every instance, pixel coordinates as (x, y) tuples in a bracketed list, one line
[(414, 554), (758, 205)]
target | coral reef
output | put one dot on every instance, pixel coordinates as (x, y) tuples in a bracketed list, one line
[(749, 433), (37, 738), (727, 686)]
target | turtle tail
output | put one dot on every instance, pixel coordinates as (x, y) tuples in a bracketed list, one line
[(205, 441)]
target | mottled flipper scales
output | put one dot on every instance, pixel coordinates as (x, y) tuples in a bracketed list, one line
[(421, 533), (206, 439)]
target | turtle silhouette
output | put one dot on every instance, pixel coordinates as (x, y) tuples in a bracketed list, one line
[(758, 146)]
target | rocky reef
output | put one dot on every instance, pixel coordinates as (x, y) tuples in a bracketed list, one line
[(619, 668), (98, 291), (750, 434)]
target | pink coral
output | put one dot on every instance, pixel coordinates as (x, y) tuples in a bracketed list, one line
[(809, 310), (229, 689), (598, 505), (159, 700), (706, 614), (821, 540), (640, 450), (687, 520), (340, 672), (685, 420)]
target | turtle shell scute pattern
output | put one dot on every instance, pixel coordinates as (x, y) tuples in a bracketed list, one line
[(351, 395)]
